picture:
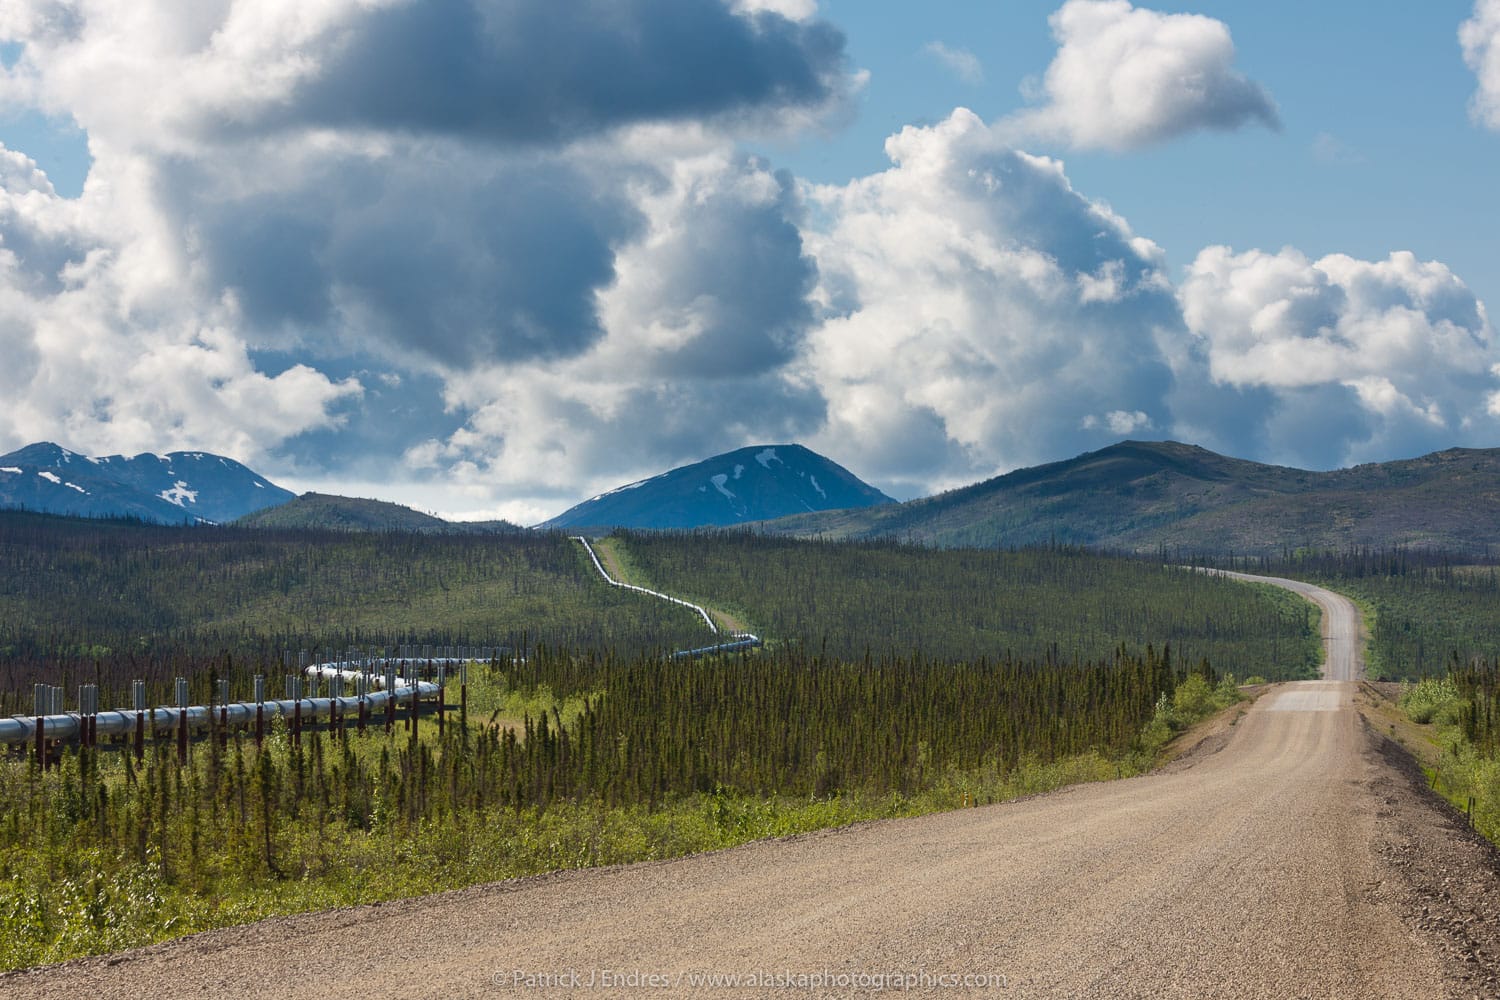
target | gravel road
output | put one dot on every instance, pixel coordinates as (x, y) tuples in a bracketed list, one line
[(1292, 854)]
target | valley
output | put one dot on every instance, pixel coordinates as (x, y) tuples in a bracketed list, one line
[(1266, 861), (899, 688)]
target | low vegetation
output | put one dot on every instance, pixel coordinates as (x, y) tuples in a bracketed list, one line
[(847, 599), (1464, 710), (567, 761), (1424, 607), (898, 680), (107, 601)]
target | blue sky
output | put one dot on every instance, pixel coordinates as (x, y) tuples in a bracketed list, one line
[(489, 259), (1378, 150)]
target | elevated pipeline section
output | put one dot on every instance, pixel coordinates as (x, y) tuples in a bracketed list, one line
[(732, 641), (362, 675)]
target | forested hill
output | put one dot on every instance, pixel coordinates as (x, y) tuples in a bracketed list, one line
[(1143, 496), (322, 511)]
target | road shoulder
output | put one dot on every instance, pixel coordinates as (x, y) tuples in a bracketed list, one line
[(1441, 877)]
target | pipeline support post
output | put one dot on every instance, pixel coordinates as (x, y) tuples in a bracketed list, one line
[(294, 691), (40, 697), (138, 694), (416, 694), (182, 720), (260, 710), (390, 700), (362, 685)]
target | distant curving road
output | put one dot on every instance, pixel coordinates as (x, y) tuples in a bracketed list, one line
[(1342, 624), (1250, 869)]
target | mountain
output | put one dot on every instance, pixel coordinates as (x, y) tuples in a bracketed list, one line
[(183, 486), (335, 513), (750, 484), (1142, 496)]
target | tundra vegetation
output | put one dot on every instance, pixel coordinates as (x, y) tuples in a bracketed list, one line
[(899, 680)]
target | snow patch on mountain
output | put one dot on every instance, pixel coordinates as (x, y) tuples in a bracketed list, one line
[(147, 486), (719, 482), (766, 457), (179, 494), (627, 487), (814, 480)]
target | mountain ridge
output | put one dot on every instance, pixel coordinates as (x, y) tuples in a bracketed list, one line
[(174, 488), (1141, 496)]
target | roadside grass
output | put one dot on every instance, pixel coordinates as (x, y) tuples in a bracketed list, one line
[(1368, 617), (63, 905), (1455, 768), (1194, 701)]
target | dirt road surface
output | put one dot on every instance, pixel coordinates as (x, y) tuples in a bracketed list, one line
[(1342, 625), (1293, 854)]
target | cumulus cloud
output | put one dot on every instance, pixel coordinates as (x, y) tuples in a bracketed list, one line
[(982, 313), (434, 189), (1369, 359), (1480, 38), (511, 72), (518, 288), (1126, 77), (709, 308), (544, 71), (104, 352), (964, 64), (435, 254)]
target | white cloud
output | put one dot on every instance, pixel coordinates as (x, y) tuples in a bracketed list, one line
[(1394, 356), (796, 10), (1127, 77), (164, 76), (269, 262), (1120, 422), (708, 309), (960, 61), (112, 345), (439, 187), (980, 311), (1480, 38)]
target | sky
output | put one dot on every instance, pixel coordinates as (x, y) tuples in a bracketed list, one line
[(491, 258)]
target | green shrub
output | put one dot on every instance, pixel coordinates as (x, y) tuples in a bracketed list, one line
[(1434, 700)]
